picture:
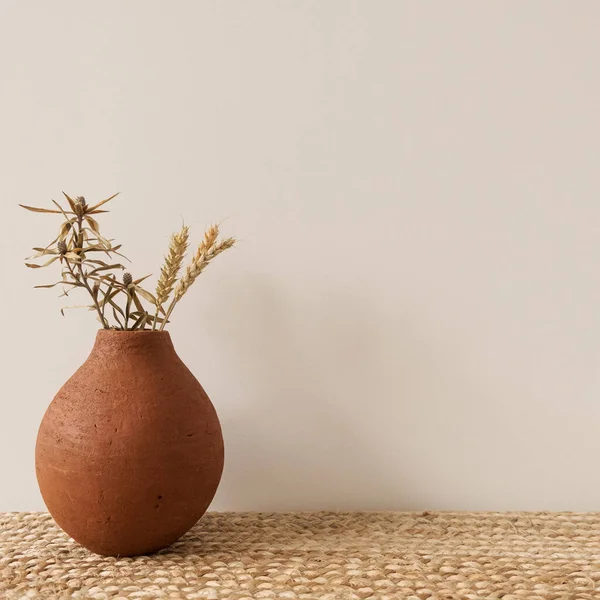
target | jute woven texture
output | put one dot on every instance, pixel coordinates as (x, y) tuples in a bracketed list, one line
[(320, 555)]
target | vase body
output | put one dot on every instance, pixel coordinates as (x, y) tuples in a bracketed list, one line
[(129, 453)]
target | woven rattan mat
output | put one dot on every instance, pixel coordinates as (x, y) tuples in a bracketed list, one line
[(320, 555)]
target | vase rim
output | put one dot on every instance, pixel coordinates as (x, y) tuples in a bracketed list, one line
[(109, 340), (143, 332)]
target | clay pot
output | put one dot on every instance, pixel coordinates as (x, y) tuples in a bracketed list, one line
[(129, 453)]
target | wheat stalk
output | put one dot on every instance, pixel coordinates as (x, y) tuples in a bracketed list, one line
[(206, 252), (171, 267), (208, 241), (198, 265)]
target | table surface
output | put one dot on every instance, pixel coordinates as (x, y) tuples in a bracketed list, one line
[(428, 555)]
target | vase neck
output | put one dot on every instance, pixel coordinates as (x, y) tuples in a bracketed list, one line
[(119, 343)]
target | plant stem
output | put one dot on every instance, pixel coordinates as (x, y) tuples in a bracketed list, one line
[(127, 309), (117, 319), (168, 314), (158, 309), (82, 273), (106, 297), (155, 317)]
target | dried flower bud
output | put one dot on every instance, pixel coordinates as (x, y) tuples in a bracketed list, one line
[(62, 246), (80, 205), (127, 278)]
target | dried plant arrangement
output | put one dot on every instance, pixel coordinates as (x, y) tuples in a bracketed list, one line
[(119, 300)]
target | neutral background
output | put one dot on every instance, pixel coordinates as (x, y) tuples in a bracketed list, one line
[(412, 317)]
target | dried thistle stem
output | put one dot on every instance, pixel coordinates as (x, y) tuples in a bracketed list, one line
[(82, 274), (127, 308)]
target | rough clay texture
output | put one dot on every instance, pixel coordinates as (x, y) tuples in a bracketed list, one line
[(129, 453), (384, 556)]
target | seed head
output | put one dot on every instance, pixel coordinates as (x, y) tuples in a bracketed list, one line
[(127, 278), (62, 246)]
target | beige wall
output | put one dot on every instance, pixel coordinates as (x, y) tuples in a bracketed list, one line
[(412, 317)]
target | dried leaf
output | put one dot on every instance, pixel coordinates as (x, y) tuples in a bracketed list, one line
[(138, 281), (63, 232), (104, 268), (42, 252), (106, 295), (105, 279), (39, 210), (61, 210), (52, 243), (49, 262), (109, 295), (158, 319), (106, 243), (119, 254), (93, 261), (73, 256), (103, 245), (151, 318), (90, 249), (108, 251), (145, 295), (88, 306), (93, 208), (70, 201), (116, 307), (117, 316), (138, 304), (93, 224), (62, 282), (140, 322)]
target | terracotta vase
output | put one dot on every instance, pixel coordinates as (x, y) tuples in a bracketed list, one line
[(129, 453)]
